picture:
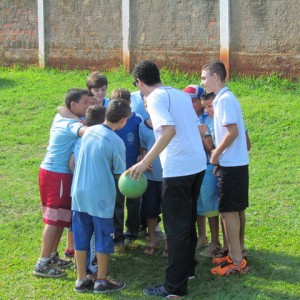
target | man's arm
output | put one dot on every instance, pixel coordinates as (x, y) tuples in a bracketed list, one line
[(66, 113), (167, 133), (231, 135)]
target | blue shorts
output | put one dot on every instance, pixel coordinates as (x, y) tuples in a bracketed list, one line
[(208, 200), (151, 200), (83, 227)]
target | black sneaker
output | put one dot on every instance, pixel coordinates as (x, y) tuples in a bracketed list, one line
[(48, 271), (85, 286), (107, 286), (160, 291), (56, 261)]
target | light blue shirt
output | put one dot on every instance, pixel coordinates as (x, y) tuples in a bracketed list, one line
[(63, 135), (102, 154), (137, 105), (147, 140)]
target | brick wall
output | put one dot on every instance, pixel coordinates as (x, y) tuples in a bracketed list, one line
[(181, 34)]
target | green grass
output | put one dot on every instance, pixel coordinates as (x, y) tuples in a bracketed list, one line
[(271, 107)]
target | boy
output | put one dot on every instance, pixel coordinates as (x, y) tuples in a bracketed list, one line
[(178, 143), (96, 83), (130, 136), (95, 114), (101, 160), (231, 157), (151, 199), (208, 202), (195, 92), (55, 180)]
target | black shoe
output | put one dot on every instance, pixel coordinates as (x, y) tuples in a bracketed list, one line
[(160, 291), (86, 286), (107, 286)]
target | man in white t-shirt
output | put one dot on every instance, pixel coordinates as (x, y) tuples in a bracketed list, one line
[(178, 143), (231, 158)]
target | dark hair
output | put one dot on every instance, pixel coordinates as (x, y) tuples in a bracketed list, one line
[(208, 96), (216, 67), (74, 95), (120, 93), (96, 80), (148, 72), (95, 114), (116, 110)]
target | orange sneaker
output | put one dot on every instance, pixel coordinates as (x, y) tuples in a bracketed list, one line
[(227, 268), (219, 260)]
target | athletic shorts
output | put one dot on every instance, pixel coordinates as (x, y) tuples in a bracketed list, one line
[(151, 200), (233, 183), (55, 191), (208, 200), (83, 227)]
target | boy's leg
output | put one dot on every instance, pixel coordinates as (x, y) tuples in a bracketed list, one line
[(81, 264), (48, 239), (214, 229), (102, 260), (133, 217), (232, 230), (202, 238), (119, 218), (242, 216), (58, 236)]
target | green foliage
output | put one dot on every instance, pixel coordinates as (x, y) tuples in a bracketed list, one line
[(271, 107)]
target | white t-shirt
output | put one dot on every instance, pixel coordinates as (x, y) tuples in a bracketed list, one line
[(184, 155), (227, 110)]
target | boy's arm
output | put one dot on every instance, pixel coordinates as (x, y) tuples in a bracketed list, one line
[(207, 142), (82, 130), (66, 113), (231, 135), (248, 142), (72, 163)]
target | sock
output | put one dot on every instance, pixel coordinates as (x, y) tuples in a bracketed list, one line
[(53, 254), (43, 261)]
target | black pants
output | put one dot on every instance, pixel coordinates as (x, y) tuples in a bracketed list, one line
[(133, 217), (179, 204)]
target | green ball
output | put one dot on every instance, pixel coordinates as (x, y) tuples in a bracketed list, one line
[(213, 213), (132, 188)]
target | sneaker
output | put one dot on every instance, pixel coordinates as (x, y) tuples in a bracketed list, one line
[(159, 233), (59, 262), (227, 268), (107, 286), (48, 271), (219, 260), (160, 291), (119, 248), (211, 250), (85, 285), (131, 245), (69, 253), (202, 242)]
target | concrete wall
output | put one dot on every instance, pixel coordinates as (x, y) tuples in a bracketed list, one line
[(182, 34)]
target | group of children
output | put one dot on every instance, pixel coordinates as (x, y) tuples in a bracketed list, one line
[(93, 140)]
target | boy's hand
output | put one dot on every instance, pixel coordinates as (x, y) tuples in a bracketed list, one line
[(214, 159)]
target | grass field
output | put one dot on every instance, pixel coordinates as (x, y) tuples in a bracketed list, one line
[(271, 107)]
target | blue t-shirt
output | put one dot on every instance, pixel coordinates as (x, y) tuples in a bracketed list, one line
[(147, 140), (102, 154), (130, 136), (137, 105), (105, 102), (63, 135)]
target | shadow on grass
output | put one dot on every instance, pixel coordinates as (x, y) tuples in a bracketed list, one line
[(7, 83)]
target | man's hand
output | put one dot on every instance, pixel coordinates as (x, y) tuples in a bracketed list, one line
[(136, 171)]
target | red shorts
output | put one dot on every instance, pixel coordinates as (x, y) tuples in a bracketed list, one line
[(55, 189)]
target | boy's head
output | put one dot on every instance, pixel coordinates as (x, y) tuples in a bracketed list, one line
[(120, 93), (95, 114), (77, 101), (207, 103), (118, 111), (146, 71), (195, 92), (97, 84), (213, 76)]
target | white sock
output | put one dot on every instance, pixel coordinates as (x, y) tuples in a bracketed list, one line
[(53, 254), (43, 261)]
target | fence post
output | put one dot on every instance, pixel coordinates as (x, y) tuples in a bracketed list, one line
[(126, 34), (41, 34), (225, 33)]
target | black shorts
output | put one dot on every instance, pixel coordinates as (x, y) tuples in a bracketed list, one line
[(233, 183), (151, 200)]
